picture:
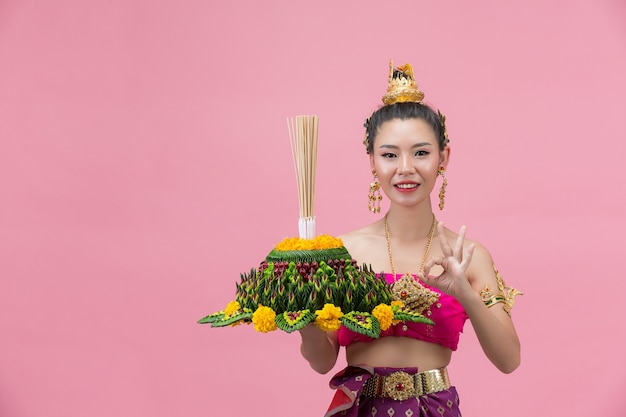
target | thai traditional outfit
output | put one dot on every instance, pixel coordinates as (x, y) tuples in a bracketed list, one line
[(352, 398), (403, 392)]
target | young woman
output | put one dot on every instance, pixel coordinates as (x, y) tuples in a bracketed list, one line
[(432, 269)]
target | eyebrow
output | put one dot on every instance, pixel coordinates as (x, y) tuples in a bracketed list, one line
[(417, 145)]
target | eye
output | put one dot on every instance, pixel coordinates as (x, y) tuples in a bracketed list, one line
[(388, 155), (421, 152)]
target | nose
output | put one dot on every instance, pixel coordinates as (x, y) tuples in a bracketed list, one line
[(405, 166)]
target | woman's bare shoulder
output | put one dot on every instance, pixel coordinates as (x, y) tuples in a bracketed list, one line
[(452, 236), (362, 242), (361, 236)]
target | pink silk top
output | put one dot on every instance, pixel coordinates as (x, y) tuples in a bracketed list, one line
[(447, 314)]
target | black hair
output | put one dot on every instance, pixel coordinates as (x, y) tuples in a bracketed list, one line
[(404, 111)]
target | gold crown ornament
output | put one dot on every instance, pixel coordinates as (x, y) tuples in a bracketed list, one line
[(402, 86)]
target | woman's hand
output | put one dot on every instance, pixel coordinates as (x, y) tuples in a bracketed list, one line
[(455, 261), (493, 327), (319, 348)]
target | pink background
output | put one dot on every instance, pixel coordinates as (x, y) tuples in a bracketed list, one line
[(145, 163)]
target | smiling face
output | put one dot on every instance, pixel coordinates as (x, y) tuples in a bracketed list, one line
[(406, 157)]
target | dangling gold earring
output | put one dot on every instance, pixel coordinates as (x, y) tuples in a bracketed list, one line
[(442, 191), (374, 196)]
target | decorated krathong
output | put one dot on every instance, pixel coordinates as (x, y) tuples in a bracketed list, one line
[(312, 279), (316, 281)]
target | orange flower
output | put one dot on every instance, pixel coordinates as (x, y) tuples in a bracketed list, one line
[(320, 242), (328, 318), (231, 308), (384, 314), (264, 319)]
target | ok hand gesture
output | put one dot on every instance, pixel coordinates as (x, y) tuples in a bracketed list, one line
[(453, 280)]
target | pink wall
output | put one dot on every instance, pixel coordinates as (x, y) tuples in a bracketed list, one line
[(145, 163)]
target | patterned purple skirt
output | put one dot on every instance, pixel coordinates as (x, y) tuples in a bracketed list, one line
[(349, 402)]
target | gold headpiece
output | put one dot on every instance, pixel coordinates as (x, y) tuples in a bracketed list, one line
[(402, 85), (402, 88)]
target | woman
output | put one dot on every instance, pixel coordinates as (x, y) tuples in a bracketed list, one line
[(434, 271)]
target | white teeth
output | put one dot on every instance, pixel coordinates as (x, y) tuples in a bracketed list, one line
[(407, 185)]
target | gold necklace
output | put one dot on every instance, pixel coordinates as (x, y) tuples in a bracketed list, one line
[(426, 252), (414, 296)]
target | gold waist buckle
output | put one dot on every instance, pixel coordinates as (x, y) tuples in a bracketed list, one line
[(401, 385)]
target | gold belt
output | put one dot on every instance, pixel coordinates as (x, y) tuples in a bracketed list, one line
[(401, 385)]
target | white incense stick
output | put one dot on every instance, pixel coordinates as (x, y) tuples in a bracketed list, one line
[(303, 136)]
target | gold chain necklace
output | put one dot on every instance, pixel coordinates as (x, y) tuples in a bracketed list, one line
[(411, 292), (426, 252)]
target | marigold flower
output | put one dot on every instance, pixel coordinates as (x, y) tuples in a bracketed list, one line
[(264, 319), (231, 308), (384, 315), (327, 318), (327, 242), (320, 242)]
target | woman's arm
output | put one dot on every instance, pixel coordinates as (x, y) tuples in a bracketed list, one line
[(467, 268), (320, 348), (492, 325)]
